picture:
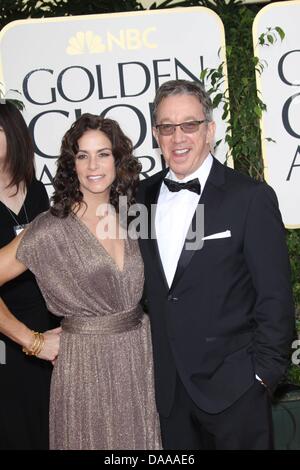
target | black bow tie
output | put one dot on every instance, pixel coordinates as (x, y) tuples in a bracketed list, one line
[(192, 185)]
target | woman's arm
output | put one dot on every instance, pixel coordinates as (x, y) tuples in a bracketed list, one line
[(10, 326)]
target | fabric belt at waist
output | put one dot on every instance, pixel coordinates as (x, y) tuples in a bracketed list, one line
[(104, 325)]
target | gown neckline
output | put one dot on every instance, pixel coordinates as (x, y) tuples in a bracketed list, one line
[(98, 242)]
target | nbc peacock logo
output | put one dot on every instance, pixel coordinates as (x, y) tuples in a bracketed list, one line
[(85, 42), (127, 39)]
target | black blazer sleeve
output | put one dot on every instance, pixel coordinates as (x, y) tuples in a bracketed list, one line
[(266, 255)]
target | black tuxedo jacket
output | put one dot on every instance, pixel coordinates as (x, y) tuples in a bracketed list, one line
[(229, 313)]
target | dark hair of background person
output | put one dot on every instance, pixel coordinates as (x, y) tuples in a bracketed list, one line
[(66, 184), (19, 162)]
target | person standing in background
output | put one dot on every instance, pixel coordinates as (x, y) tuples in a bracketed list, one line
[(24, 380)]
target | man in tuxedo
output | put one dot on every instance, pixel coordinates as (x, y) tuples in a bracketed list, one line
[(221, 308)]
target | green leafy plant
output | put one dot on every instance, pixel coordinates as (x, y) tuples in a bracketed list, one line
[(21, 9), (4, 97), (270, 36), (293, 240), (242, 106)]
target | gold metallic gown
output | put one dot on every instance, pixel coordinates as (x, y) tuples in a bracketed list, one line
[(102, 391)]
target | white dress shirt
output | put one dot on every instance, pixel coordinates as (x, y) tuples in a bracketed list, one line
[(173, 217)]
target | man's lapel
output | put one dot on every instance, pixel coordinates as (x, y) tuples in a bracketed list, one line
[(211, 198), (151, 202)]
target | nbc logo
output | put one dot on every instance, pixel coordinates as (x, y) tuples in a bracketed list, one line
[(85, 42), (91, 43)]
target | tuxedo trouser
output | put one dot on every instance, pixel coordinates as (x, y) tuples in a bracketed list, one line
[(246, 424)]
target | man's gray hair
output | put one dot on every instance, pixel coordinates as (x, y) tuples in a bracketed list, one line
[(184, 87)]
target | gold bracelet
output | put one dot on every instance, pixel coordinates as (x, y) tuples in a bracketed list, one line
[(41, 344), (28, 352), (35, 342), (36, 346)]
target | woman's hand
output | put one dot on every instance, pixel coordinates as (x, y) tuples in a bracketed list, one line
[(50, 347)]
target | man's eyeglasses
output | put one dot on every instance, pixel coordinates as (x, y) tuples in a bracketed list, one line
[(188, 127)]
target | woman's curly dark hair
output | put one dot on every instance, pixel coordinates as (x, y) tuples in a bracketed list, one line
[(66, 183)]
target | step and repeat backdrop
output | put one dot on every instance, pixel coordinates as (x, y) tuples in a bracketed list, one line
[(279, 86), (112, 64), (109, 64)]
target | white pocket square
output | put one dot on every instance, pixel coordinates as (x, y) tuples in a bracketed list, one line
[(214, 236)]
